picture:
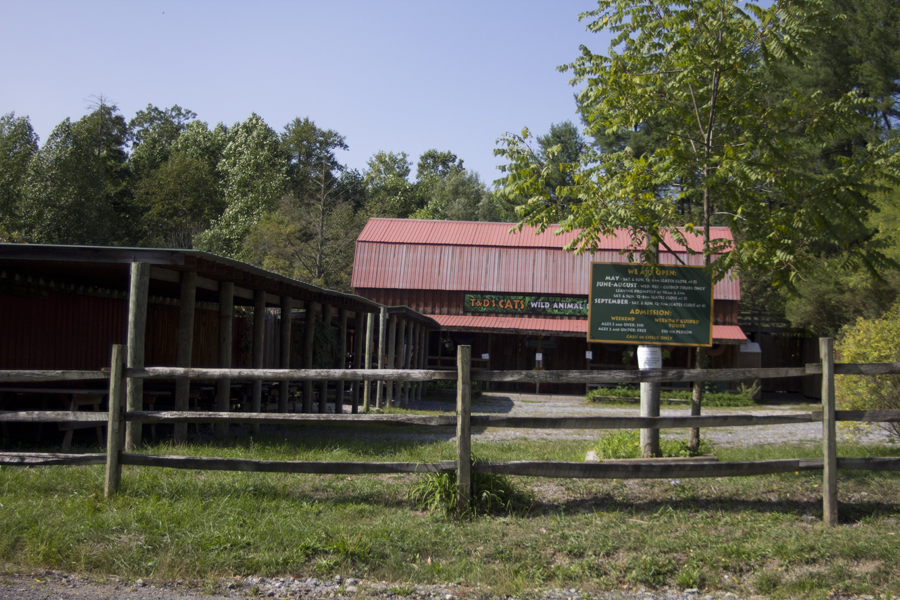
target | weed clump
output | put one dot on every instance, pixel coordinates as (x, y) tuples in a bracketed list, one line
[(491, 494), (626, 443)]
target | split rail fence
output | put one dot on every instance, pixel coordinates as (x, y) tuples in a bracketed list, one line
[(115, 457)]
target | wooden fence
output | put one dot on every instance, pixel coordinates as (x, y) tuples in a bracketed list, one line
[(116, 417)]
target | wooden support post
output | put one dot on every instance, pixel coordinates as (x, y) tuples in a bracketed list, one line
[(649, 357), (423, 360), (186, 313), (323, 384), (358, 338), (259, 350), (137, 331), (411, 344), (226, 337), (116, 424), (284, 353), (391, 358), (400, 358), (367, 386), (309, 336), (382, 349), (463, 428), (341, 362), (829, 437)]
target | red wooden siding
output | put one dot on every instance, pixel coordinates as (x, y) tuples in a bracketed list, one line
[(72, 331)]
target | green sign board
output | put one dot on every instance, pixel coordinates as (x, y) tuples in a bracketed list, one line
[(525, 305), (663, 305)]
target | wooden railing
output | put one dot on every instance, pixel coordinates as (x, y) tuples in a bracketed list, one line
[(115, 457)]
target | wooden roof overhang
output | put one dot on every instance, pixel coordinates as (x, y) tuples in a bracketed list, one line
[(416, 317), (110, 268)]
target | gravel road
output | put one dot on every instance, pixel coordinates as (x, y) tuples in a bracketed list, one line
[(530, 405), (53, 585)]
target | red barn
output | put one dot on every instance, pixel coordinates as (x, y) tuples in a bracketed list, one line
[(430, 266)]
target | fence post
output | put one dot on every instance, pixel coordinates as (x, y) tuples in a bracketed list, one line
[(829, 439), (367, 385), (463, 428), (115, 429)]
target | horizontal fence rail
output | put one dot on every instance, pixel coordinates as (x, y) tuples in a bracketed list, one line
[(116, 417), (567, 376)]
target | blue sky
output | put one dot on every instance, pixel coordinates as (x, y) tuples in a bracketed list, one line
[(393, 75)]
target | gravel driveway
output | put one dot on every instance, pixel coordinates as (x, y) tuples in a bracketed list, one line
[(531, 405)]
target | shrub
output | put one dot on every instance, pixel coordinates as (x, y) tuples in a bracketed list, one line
[(870, 341)]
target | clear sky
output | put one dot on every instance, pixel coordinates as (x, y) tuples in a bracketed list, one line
[(393, 75)]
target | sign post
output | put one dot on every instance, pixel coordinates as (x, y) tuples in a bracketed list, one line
[(649, 357), (654, 305), (651, 305)]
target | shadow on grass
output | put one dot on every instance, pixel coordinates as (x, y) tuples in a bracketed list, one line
[(706, 508)]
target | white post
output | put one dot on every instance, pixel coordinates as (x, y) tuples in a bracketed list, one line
[(649, 357)]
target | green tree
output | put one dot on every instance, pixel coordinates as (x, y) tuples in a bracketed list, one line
[(178, 200), (200, 142), (434, 163), (831, 298), (18, 145), (729, 141), (389, 191), (253, 169), (733, 145), (153, 131), (312, 234), (459, 196), (65, 199)]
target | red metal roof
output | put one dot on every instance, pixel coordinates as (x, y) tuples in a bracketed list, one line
[(728, 333), (578, 327), (479, 233), (516, 324), (484, 257)]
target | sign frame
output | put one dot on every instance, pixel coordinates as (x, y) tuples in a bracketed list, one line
[(665, 304)]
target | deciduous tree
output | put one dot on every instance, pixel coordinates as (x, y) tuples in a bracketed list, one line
[(18, 144)]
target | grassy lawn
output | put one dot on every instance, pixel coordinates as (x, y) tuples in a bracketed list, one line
[(758, 535)]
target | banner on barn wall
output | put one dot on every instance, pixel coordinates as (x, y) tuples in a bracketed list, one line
[(574, 306), (663, 305)]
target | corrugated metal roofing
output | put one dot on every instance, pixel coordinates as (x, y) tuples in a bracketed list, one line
[(472, 233), (517, 324), (483, 257), (724, 333), (728, 333)]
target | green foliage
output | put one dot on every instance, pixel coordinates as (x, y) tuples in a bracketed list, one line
[(459, 196), (831, 298), (152, 132), (712, 399), (311, 233), (178, 200), (491, 494), (254, 175), (18, 144), (433, 163), (870, 341), (74, 188), (627, 444), (700, 75)]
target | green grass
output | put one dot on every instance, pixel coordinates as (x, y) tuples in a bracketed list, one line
[(627, 444), (752, 535), (625, 395)]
